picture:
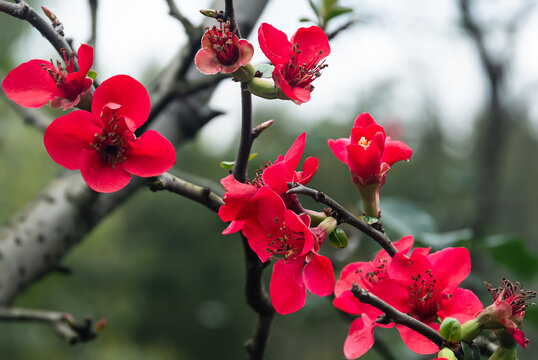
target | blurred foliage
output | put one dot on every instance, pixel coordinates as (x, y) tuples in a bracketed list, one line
[(171, 286)]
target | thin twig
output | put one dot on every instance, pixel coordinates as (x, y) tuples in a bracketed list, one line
[(345, 216), (201, 194), (63, 324), (23, 11), (397, 316), (190, 29), (92, 41)]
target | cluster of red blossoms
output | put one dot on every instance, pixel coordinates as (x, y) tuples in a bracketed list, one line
[(100, 143)]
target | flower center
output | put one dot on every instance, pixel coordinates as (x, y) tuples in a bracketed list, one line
[(513, 294), (364, 143), (59, 75), (302, 74), (287, 245), (423, 297), (110, 144), (224, 43)]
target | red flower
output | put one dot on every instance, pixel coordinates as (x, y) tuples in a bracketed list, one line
[(102, 143), (279, 233), (298, 61), (423, 285), (507, 311), (240, 199), (369, 154), (222, 51), (37, 82)]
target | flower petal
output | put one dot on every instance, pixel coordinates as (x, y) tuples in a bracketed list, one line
[(67, 136), (207, 62), (101, 176), (417, 342), (312, 43), (274, 44), (149, 155), (127, 92), (395, 151), (360, 337), (318, 275), (287, 289), (30, 85), (450, 266)]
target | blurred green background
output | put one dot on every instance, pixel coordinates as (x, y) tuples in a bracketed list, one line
[(171, 286)]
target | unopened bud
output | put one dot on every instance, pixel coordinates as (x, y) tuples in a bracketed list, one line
[(450, 329), (210, 13), (446, 353)]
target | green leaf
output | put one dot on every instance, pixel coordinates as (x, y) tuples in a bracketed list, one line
[(314, 7), (228, 165), (338, 238), (335, 12), (266, 70), (369, 219), (92, 74), (470, 351), (511, 251)]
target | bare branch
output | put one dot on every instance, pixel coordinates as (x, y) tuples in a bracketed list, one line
[(23, 11), (201, 194), (63, 324), (345, 216), (397, 316)]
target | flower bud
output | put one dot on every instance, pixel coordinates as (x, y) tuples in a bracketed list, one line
[(450, 329), (446, 353)]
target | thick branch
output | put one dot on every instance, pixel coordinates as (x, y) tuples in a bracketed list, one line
[(62, 324), (201, 194), (23, 11), (397, 316), (345, 216)]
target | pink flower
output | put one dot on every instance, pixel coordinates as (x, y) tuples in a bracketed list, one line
[(298, 61), (507, 310), (369, 154), (222, 51), (279, 233), (37, 82), (240, 199), (102, 143), (422, 285)]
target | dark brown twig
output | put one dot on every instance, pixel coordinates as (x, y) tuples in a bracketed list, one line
[(397, 316), (201, 194), (62, 324), (23, 11), (345, 216)]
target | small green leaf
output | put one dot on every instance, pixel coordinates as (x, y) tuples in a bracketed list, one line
[(369, 219), (228, 165), (470, 351), (338, 238), (335, 12), (314, 7), (266, 70), (92, 74)]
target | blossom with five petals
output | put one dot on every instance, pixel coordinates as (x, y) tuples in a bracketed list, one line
[(240, 199), (422, 285), (102, 143), (222, 51), (297, 61), (277, 232), (369, 154), (36, 82)]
